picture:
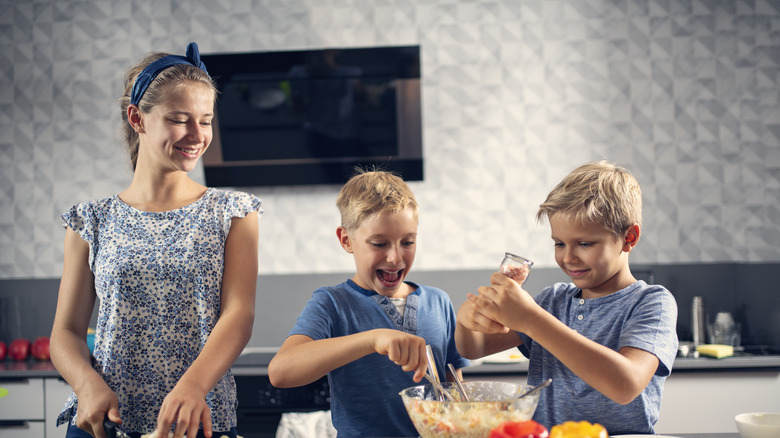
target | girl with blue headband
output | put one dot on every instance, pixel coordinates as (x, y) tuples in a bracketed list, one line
[(173, 265)]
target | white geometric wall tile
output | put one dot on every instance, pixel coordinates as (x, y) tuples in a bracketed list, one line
[(515, 95)]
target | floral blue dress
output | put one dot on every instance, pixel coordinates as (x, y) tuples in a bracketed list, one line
[(158, 277)]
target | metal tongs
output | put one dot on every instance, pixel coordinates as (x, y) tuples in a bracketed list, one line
[(433, 376), (463, 394)]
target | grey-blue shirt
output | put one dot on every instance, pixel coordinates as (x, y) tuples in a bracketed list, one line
[(641, 316)]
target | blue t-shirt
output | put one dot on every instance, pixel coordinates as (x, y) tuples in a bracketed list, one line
[(640, 316), (364, 394)]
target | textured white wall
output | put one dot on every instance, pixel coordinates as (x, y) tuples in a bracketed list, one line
[(515, 94)]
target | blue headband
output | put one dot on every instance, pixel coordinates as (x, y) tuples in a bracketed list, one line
[(145, 78)]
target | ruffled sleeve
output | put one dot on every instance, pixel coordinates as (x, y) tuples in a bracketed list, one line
[(82, 218), (239, 204)]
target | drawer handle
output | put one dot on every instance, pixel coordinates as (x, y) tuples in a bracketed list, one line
[(12, 423)]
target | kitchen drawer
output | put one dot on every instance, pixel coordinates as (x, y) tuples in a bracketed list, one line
[(24, 429), (57, 392), (24, 400)]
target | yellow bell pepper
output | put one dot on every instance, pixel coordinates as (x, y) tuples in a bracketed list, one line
[(578, 429)]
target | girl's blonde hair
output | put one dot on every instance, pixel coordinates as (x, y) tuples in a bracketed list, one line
[(370, 192), (597, 193)]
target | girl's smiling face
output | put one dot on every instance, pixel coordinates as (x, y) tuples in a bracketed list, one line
[(176, 133), (384, 247), (592, 256)]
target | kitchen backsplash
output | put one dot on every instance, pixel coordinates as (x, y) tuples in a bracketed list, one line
[(748, 291), (515, 94)]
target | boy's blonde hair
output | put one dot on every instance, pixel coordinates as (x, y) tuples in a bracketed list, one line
[(370, 192), (597, 193)]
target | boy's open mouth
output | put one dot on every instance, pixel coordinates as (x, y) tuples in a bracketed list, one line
[(389, 278)]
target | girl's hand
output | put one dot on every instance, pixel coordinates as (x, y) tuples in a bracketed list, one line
[(186, 406), (96, 402), (403, 349)]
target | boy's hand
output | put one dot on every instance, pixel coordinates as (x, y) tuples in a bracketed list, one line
[(472, 316), (504, 302), (403, 349)]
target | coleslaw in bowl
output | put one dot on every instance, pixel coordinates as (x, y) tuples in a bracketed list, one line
[(492, 403)]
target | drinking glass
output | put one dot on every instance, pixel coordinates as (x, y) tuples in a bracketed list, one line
[(724, 330)]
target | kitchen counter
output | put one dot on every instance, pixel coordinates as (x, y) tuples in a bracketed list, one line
[(10, 369), (681, 364), (706, 435), (255, 364), (692, 435)]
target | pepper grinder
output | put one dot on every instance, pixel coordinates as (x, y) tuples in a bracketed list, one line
[(698, 321)]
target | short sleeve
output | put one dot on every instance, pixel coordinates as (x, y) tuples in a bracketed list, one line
[(653, 327), (314, 320), (240, 204), (82, 218)]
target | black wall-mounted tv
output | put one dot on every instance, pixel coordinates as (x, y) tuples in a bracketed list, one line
[(305, 117)]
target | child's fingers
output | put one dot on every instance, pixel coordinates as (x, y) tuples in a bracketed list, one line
[(490, 326), (417, 362), (496, 328), (113, 414), (205, 419), (479, 298), (485, 322), (422, 368), (393, 352), (499, 279), (402, 357), (477, 317), (487, 291), (485, 305)]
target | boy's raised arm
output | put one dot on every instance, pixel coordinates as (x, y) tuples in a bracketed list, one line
[(302, 360)]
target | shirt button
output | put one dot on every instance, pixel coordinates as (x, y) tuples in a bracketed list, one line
[(582, 301), (579, 317)]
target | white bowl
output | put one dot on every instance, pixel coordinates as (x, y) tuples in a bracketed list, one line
[(758, 425)]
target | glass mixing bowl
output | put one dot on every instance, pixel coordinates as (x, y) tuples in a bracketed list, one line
[(492, 403)]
